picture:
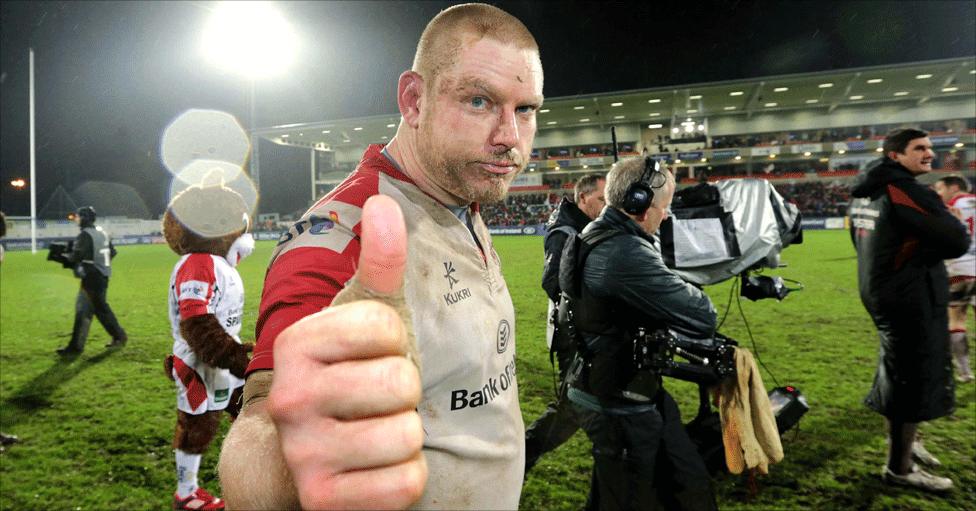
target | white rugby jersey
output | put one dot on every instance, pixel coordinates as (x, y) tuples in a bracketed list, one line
[(463, 319), (965, 265), (206, 284)]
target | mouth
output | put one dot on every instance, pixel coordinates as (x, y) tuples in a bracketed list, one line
[(500, 168), (926, 162)]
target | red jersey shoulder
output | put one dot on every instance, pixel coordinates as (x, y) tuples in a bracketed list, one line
[(316, 257), (333, 222), (195, 284), (197, 268)]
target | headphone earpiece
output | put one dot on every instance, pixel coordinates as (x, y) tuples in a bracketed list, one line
[(638, 197)]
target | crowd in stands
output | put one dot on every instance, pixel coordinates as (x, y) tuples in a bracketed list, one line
[(521, 209), (697, 140), (875, 132), (817, 198), (586, 151)]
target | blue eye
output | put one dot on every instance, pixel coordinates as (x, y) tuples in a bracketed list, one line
[(479, 102), (525, 109)]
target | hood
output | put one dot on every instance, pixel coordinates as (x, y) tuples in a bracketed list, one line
[(567, 213), (877, 175)]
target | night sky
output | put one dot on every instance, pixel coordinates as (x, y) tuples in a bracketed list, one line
[(110, 76)]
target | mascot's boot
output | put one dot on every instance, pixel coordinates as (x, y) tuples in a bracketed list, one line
[(198, 500)]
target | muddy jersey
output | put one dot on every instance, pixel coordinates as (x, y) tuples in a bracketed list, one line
[(204, 284), (463, 319), (965, 266)]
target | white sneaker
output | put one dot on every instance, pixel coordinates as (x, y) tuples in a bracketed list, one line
[(917, 478), (923, 456)]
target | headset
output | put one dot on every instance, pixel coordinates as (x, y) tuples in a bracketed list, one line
[(639, 194)]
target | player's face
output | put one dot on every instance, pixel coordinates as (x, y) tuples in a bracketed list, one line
[(479, 122), (592, 203), (658, 213), (917, 157), (943, 191)]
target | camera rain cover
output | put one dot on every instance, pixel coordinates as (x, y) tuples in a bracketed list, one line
[(711, 237)]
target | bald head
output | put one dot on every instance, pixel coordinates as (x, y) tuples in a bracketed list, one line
[(441, 43)]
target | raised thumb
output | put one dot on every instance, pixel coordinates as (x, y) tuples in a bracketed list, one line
[(383, 246), (382, 260)]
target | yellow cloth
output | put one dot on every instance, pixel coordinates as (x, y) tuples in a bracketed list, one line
[(748, 426)]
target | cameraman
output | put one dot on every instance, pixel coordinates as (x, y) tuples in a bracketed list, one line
[(618, 284), (91, 258)]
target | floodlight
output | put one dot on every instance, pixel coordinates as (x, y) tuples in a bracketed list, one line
[(249, 38)]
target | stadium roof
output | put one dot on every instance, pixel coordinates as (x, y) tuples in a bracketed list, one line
[(912, 83)]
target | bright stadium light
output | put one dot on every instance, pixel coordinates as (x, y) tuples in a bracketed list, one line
[(249, 38), (18, 183)]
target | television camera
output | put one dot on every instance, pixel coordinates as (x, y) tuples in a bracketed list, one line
[(734, 228), (58, 252)]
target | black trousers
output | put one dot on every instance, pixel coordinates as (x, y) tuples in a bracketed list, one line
[(93, 301), (646, 461), (557, 424)]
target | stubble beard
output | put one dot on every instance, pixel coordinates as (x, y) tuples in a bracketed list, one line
[(459, 174)]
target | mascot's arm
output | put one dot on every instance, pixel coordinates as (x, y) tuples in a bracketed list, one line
[(213, 345)]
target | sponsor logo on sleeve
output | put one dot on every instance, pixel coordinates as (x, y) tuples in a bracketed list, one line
[(329, 226), (194, 290)]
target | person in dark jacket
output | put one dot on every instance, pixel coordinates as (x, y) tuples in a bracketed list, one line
[(902, 233), (617, 285), (558, 423), (91, 257)]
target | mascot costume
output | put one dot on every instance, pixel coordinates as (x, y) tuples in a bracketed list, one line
[(207, 226)]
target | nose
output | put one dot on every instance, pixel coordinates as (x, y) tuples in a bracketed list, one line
[(506, 134)]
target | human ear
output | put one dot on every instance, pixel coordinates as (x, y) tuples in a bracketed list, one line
[(410, 89)]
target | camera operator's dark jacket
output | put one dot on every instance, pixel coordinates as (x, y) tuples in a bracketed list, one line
[(566, 220), (902, 233), (626, 285)]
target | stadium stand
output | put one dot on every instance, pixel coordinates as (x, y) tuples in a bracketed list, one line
[(810, 149)]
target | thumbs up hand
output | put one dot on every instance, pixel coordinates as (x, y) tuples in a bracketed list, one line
[(344, 393)]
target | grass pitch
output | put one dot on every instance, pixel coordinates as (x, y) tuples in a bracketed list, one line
[(95, 432)]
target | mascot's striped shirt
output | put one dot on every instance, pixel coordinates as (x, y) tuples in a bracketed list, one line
[(964, 267), (463, 319), (204, 284)]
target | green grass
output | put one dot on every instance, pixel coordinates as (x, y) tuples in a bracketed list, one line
[(95, 432)]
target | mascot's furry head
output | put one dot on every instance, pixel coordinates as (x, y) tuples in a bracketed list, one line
[(210, 219)]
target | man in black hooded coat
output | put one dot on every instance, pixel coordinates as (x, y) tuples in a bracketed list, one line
[(558, 423), (902, 233)]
